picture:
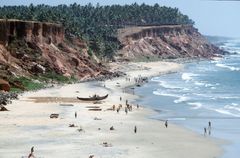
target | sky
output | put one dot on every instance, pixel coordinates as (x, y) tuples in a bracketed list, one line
[(212, 17)]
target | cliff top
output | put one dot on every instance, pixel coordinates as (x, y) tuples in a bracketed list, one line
[(24, 21), (127, 31)]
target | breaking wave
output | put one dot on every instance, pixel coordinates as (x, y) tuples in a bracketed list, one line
[(196, 105), (232, 68), (188, 76)]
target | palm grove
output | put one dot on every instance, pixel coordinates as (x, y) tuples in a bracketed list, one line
[(97, 25)]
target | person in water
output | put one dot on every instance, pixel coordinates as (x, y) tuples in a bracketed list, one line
[(209, 125), (205, 131)]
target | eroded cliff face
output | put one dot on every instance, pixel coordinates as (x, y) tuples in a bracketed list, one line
[(31, 31), (165, 42), (33, 48)]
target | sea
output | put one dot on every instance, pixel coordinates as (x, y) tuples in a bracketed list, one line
[(204, 91)]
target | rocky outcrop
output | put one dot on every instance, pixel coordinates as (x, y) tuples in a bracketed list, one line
[(165, 42), (34, 48), (4, 85)]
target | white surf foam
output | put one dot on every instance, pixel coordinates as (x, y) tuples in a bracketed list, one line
[(164, 84), (226, 112), (156, 79), (196, 105), (177, 119), (199, 83), (157, 92), (188, 76), (181, 99), (233, 106), (228, 97), (232, 68)]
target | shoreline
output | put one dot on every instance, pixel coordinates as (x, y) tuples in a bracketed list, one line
[(151, 140)]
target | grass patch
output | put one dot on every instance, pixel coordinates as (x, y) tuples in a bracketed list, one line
[(28, 84), (39, 82), (52, 76)]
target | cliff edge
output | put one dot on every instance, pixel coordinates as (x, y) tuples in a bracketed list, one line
[(164, 42)]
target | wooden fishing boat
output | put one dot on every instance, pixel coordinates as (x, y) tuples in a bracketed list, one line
[(93, 98)]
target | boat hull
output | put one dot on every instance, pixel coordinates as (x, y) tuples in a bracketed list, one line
[(93, 99)]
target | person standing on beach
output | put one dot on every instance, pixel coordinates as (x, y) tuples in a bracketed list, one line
[(75, 114), (166, 123), (135, 129)]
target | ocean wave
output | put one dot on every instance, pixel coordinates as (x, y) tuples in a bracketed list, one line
[(165, 94), (216, 60), (156, 79), (228, 97), (199, 83), (233, 106), (188, 76), (181, 99), (226, 112), (196, 105), (164, 84), (177, 119), (204, 84), (232, 68)]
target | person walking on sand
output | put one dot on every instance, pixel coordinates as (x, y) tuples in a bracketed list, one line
[(31, 153), (135, 129), (75, 114), (120, 98), (166, 123)]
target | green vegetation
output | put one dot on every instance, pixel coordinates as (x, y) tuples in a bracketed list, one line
[(28, 84), (97, 24), (39, 82), (53, 76)]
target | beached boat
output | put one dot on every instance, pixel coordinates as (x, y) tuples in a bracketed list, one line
[(93, 98)]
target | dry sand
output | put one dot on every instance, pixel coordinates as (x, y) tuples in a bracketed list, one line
[(28, 124)]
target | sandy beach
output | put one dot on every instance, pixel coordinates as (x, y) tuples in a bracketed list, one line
[(28, 124)]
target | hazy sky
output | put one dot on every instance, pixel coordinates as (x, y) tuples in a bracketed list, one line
[(220, 18)]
